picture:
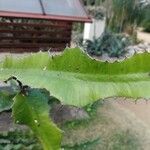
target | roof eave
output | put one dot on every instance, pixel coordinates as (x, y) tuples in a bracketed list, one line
[(47, 17)]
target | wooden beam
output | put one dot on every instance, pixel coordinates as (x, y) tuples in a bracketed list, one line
[(54, 25), (31, 45), (54, 33), (59, 39)]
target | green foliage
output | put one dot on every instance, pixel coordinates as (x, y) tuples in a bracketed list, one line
[(31, 107), (26, 140), (32, 110), (124, 14), (78, 27), (91, 108), (146, 26), (96, 13), (75, 79), (146, 19), (77, 34), (19, 140), (31, 61), (93, 47), (113, 44)]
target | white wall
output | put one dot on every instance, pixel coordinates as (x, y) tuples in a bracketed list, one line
[(96, 26)]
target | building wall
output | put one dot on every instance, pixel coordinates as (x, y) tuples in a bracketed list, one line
[(93, 29), (27, 35)]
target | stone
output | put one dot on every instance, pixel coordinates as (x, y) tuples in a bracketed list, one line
[(138, 48), (120, 59), (142, 46), (147, 47), (130, 52), (63, 113), (112, 60), (3, 84), (105, 57)]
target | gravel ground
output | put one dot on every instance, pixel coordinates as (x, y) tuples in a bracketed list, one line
[(143, 36)]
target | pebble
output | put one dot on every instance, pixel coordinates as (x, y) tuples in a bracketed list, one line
[(130, 51)]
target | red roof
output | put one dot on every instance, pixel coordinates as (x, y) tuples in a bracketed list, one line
[(69, 10)]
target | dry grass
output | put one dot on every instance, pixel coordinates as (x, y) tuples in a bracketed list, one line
[(114, 130)]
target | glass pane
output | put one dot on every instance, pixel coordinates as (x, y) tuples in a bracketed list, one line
[(30, 6), (64, 8)]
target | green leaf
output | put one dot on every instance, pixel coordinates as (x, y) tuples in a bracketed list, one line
[(33, 111), (76, 79)]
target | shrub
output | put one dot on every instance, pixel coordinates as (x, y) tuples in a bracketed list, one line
[(146, 21), (97, 13), (112, 44), (123, 13), (146, 26), (93, 47)]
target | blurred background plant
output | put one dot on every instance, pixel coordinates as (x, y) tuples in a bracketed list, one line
[(145, 21), (98, 13), (123, 16), (122, 20), (77, 33)]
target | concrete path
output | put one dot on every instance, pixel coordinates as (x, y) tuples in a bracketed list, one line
[(143, 36)]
